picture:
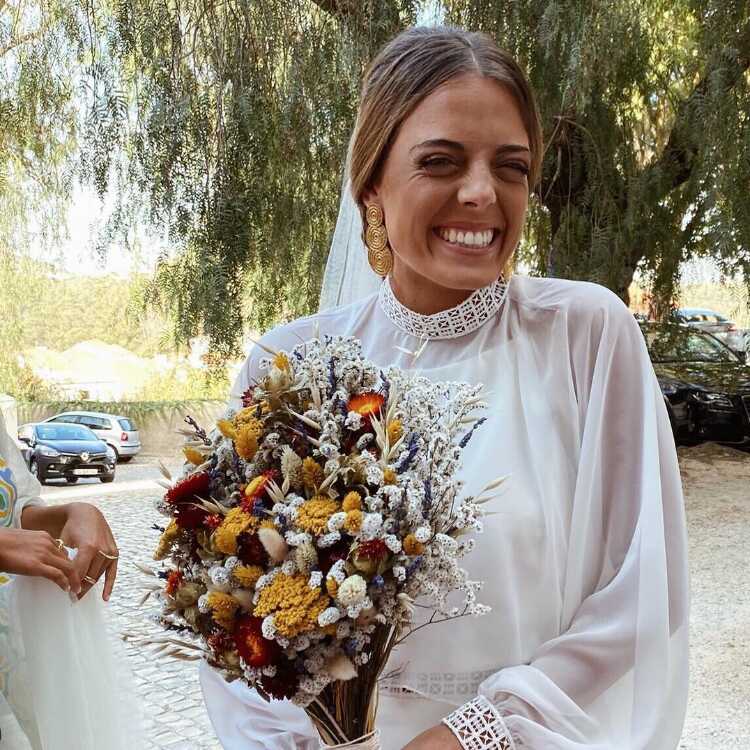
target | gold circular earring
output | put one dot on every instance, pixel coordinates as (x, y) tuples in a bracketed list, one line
[(379, 254)]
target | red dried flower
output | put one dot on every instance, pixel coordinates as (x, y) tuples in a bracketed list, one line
[(284, 683), (188, 489), (190, 517), (375, 549), (212, 521), (251, 550), (366, 404), (256, 650), (329, 556), (174, 580)]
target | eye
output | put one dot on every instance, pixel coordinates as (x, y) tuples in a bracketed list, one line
[(438, 163), (516, 171)]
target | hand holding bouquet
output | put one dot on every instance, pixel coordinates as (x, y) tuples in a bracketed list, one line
[(312, 520)]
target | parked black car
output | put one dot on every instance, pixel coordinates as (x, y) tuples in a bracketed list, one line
[(706, 385), (66, 451)]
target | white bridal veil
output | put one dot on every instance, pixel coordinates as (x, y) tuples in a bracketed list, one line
[(348, 276)]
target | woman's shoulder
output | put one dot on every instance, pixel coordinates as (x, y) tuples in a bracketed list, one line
[(579, 300)]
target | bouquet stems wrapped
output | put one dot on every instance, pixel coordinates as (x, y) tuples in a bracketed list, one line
[(310, 521)]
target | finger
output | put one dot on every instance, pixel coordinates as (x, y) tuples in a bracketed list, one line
[(57, 549), (83, 562), (97, 566), (67, 569), (56, 576), (109, 580)]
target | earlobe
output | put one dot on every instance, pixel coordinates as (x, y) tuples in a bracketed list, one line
[(370, 196)]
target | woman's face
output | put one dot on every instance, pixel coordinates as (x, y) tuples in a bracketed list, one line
[(454, 192)]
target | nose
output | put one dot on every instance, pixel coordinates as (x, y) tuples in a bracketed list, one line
[(478, 188)]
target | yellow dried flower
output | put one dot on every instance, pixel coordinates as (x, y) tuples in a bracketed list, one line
[(395, 431), (312, 474), (194, 456), (281, 361), (313, 515), (353, 521), (389, 476), (247, 575), (412, 546), (223, 609), (331, 629), (294, 605), (246, 418), (167, 538), (352, 501), (255, 485), (234, 523), (227, 428), (246, 443), (332, 586)]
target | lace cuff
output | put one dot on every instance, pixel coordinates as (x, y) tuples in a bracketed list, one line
[(478, 726)]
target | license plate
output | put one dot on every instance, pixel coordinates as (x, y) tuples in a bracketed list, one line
[(85, 472)]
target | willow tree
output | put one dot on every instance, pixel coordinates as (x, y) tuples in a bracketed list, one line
[(240, 113)]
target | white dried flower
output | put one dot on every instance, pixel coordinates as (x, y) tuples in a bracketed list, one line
[(328, 616), (268, 627), (341, 668), (273, 543), (316, 579), (336, 521), (352, 591), (422, 534)]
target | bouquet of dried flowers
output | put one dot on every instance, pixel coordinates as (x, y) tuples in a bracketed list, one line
[(311, 520)]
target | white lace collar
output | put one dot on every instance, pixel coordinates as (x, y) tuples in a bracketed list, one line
[(457, 321)]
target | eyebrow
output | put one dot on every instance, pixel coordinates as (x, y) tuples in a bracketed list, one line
[(456, 146)]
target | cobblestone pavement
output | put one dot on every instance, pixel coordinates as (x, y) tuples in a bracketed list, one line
[(175, 717)]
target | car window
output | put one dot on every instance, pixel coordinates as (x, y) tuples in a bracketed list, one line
[(68, 418), (686, 345), (127, 425), (96, 423), (49, 431)]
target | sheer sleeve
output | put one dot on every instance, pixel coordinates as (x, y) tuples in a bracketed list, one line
[(27, 488), (616, 676)]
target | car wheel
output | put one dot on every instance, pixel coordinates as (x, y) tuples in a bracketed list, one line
[(34, 469), (107, 479), (117, 453), (125, 459), (71, 480)]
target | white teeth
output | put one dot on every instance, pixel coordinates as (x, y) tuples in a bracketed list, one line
[(470, 239)]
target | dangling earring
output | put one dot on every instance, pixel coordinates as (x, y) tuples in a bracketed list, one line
[(379, 255)]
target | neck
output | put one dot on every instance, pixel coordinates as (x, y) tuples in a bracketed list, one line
[(423, 296)]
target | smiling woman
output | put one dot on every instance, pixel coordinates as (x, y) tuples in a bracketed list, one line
[(581, 650)]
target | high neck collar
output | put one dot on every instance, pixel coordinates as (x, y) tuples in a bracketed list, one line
[(457, 321)]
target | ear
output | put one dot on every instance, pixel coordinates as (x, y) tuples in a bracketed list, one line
[(370, 196)]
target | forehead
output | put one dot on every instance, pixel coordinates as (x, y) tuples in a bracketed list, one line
[(470, 109)]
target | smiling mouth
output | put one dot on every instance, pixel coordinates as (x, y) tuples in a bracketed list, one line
[(466, 240)]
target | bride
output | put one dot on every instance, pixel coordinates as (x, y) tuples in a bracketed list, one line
[(584, 560)]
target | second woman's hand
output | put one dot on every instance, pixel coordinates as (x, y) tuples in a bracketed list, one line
[(36, 553), (86, 529), (438, 737)]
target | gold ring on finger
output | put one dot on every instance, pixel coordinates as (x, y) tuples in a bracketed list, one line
[(60, 544), (108, 557), (89, 579)]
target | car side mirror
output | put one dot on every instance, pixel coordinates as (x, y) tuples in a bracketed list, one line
[(25, 440), (742, 355)]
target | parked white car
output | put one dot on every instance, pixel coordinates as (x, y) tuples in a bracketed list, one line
[(116, 431), (713, 322)]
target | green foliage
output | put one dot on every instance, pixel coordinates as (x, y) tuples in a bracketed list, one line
[(645, 111), (186, 384), (39, 47), (243, 114)]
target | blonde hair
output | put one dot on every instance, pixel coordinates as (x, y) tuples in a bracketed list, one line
[(406, 71)]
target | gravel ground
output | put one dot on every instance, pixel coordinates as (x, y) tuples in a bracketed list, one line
[(717, 496)]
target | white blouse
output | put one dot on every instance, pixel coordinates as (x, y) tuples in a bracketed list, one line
[(584, 559)]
